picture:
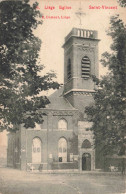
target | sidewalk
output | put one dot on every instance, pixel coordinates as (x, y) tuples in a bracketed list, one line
[(64, 171), (74, 171)]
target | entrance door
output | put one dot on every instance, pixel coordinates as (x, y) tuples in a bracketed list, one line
[(86, 161)]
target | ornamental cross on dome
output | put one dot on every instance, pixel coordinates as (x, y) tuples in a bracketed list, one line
[(79, 14)]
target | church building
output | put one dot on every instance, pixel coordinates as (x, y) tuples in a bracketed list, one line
[(62, 141)]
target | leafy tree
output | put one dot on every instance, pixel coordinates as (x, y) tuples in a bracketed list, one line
[(108, 113), (122, 3), (20, 80)]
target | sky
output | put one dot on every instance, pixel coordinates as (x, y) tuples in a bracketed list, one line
[(53, 31)]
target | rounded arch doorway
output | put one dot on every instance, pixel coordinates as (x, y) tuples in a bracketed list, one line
[(86, 161)]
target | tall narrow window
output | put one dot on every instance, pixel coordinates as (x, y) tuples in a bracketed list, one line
[(62, 150), (85, 67), (36, 150), (69, 69), (62, 124)]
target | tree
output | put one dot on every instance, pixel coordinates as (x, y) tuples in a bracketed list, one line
[(109, 110), (122, 3), (20, 79)]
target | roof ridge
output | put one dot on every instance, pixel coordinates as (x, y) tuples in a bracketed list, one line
[(69, 102)]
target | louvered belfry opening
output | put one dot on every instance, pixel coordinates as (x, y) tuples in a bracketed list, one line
[(85, 67), (69, 69)]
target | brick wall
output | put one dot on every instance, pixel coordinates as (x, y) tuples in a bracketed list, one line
[(49, 135)]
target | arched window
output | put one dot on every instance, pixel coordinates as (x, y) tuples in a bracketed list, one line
[(36, 150), (86, 144), (62, 124), (69, 69), (62, 150), (85, 67)]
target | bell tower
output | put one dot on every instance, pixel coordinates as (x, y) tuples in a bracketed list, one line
[(80, 62)]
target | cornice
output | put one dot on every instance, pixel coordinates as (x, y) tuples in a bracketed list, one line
[(80, 92)]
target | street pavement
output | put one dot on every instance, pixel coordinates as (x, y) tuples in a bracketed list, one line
[(14, 181)]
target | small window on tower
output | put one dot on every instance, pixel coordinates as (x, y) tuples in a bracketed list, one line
[(85, 67), (69, 69)]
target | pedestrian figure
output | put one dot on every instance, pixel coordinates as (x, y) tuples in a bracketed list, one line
[(40, 167)]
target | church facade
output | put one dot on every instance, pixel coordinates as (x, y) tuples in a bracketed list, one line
[(62, 141)]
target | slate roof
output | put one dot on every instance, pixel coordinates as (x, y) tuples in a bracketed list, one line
[(58, 102)]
